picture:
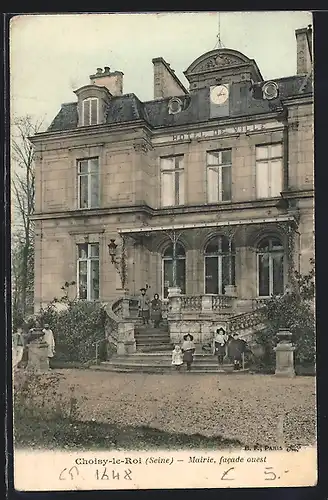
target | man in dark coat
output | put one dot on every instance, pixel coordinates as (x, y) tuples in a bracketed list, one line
[(236, 348)]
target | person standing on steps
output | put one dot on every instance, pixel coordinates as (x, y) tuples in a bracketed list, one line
[(143, 306), (188, 349), (156, 310), (219, 344), (177, 357)]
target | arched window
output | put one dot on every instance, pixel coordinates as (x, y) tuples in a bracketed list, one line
[(270, 267), (219, 263), (167, 268)]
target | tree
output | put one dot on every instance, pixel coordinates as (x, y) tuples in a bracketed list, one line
[(23, 193)]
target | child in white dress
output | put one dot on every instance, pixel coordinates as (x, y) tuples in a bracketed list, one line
[(177, 357)]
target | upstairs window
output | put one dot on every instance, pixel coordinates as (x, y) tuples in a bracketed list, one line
[(90, 111), (88, 271), (219, 176), (269, 173), (172, 181), (88, 183)]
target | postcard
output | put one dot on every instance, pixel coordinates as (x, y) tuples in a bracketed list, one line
[(162, 179)]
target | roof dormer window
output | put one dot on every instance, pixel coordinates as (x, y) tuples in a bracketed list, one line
[(90, 111)]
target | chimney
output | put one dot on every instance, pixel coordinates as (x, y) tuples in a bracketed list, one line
[(113, 81), (166, 83), (304, 50)]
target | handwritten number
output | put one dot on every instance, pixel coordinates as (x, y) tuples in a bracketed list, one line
[(128, 474), (271, 473), (225, 473), (70, 472), (60, 475)]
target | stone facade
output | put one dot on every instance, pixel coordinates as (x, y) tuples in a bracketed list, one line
[(129, 152)]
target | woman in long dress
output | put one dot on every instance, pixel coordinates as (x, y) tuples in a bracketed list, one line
[(156, 310), (188, 349)]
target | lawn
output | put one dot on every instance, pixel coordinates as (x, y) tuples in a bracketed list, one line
[(141, 410)]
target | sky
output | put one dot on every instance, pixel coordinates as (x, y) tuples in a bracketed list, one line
[(53, 55)]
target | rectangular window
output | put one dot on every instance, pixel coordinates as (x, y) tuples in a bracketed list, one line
[(90, 111), (88, 271), (269, 171), (172, 181), (219, 176), (88, 183)]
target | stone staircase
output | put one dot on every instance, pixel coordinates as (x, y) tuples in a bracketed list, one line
[(160, 362), (149, 339)]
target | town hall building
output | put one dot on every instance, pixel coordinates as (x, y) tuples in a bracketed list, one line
[(206, 191)]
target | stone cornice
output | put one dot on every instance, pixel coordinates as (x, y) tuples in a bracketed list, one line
[(298, 99), (90, 131), (186, 209)]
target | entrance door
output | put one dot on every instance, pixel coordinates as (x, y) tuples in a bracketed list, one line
[(167, 269)]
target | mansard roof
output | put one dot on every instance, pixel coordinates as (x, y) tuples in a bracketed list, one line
[(128, 107)]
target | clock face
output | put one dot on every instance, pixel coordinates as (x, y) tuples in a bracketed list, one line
[(219, 94)]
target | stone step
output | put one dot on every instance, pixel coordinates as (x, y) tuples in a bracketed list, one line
[(151, 335), (151, 348), (151, 331), (153, 341), (125, 368)]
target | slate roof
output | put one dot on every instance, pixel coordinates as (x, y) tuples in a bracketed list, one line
[(128, 107)]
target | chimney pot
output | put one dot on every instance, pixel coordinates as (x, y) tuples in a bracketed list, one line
[(107, 69), (99, 71)]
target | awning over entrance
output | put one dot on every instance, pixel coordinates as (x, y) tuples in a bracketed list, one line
[(179, 227)]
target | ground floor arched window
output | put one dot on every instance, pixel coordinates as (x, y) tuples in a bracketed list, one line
[(167, 268), (219, 264), (270, 267)]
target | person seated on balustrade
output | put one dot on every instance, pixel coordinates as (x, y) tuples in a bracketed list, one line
[(143, 306), (156, 310), (219, 344)]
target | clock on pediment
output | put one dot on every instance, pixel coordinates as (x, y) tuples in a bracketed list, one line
[(219, 100), (219, 94)]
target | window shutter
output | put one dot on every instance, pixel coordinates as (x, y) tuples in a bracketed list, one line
[(276, 177), (86, 112), (94, 111), (262, 179)]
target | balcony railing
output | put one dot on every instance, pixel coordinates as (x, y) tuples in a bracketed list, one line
[(221, 302), (191, 303), (206, 303)]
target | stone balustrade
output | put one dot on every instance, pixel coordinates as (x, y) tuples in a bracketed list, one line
[(206, 303)]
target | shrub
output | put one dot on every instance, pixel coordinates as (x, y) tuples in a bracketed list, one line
[(294, 311), (77, 329)]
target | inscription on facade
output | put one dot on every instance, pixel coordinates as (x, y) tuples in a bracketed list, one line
[(219, 132)]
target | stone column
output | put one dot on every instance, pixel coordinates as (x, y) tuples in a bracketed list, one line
[(38, 356), (126, 307), (284, 354), (207, 303), (174, 296), (126, 343)]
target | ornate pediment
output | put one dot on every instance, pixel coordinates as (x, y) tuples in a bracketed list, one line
[(218, 61), (218, 58)]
